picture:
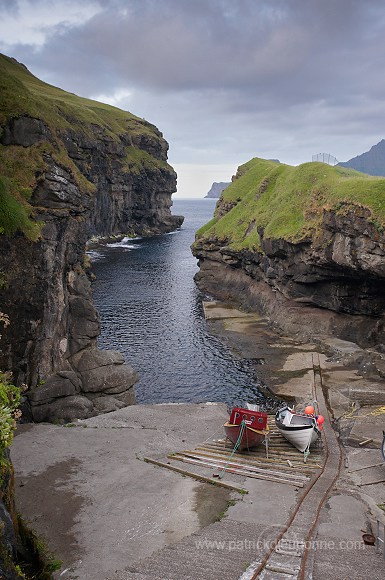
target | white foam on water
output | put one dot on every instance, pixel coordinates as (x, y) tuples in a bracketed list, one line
[(124, 244), (94, 255)]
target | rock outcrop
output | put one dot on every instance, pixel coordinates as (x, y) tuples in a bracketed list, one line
[(84, 176), (216, 189), (329, 280), (9, 543), (371, 162)]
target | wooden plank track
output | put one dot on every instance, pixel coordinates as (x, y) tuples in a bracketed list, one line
[(283, 463), (241, 470), (195, 475), (289, 452), (267, 463)]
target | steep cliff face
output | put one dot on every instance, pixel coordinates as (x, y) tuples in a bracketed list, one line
[(8, 522), (371, 162), (217, 188), (302, 248), (72, 168)]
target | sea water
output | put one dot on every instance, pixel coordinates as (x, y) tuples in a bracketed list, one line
[(151, 311)]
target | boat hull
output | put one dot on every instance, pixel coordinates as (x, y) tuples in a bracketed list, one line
[(250, 437), (300, 437), (300, 430)]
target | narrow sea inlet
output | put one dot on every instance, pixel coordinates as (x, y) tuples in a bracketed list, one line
[(151, 311)]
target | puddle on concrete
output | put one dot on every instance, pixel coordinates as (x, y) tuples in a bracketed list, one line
[(211, 503), (50, 507)]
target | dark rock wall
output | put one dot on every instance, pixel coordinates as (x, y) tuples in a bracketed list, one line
[(371, 162), (47, 292), (9, 541), (217, 188), (332, 283), (129, 196)]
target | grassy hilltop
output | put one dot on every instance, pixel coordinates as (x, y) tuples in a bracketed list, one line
[(22, 94), (288, 202)]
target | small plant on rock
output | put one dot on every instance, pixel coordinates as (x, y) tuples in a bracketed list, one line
[(9, 404), (9, 411)]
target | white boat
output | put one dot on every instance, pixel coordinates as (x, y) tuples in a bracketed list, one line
[(299, 429)]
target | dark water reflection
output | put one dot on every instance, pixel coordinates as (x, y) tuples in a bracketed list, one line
[(152, 312)]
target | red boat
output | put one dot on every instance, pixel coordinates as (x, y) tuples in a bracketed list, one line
[(246, 428)]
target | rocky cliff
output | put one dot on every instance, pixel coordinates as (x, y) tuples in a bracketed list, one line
[(371, 162), (216, 189), (8, 522), (304, 245), (70, 169)]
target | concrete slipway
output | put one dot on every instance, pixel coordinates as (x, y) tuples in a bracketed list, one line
[(108, 515)]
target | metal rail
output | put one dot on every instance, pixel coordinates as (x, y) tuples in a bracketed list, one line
[(304, 519), (380, 540)]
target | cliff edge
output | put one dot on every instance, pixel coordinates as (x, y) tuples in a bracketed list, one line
[(70, 168), (371, 162), (304, 245), (216, 189)]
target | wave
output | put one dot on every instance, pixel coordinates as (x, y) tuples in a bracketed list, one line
[(95, 256), (124, 243)]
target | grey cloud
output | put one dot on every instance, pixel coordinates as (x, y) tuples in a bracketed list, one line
[(297, 51), (10, 6), (214, 75)]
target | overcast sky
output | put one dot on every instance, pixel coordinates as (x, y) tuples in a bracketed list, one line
[(224, 80)]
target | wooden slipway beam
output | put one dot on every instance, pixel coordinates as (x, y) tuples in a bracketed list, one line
[(239, 472), (196, 475)]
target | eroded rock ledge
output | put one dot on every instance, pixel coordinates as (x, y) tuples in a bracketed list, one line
[(331, 284), (46, 290)]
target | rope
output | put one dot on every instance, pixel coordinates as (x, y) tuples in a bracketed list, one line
[(213, 435), (306, 452), (378, 412), (237, 444), (375, 413)]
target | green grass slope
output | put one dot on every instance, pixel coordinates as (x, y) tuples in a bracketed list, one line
[(22, 94), (288, 202)]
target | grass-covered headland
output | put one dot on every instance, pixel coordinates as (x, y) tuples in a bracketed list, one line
[(288, 202), (24, 95)]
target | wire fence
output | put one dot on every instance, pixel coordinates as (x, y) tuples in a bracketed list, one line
[(325, 158)]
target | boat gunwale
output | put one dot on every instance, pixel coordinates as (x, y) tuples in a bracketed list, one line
[(259, 431), (296, 427)]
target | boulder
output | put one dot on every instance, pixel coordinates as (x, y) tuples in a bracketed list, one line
[(107, 404), (62, 384), (92, 358), (84, 318), (127, 397), (110, 379), (64, 409)]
